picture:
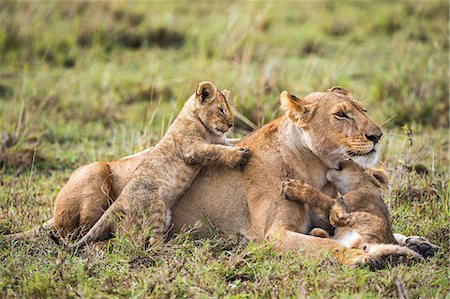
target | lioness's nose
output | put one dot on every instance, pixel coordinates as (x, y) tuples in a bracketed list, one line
[(375, 137)]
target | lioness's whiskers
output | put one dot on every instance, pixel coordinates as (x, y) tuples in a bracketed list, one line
[(388, 120), (401, 135)]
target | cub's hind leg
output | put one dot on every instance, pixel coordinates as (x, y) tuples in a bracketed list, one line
[(146, 219), (154, 220)]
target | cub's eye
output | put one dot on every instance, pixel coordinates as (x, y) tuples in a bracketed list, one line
[(341, 115), (364, 110), (221, 111)]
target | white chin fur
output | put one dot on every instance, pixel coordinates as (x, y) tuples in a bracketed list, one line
[(366, 161)]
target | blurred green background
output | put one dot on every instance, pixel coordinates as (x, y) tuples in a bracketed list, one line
[(116, 73)]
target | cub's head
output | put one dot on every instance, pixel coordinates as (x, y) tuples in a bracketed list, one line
[(212, 108), (352, 176), (335, 126)]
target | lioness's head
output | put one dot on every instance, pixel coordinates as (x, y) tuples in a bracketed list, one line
[(335, 126), (212, 108)]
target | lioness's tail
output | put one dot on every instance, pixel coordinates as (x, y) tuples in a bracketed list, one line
[(103, 226), (29, 234)]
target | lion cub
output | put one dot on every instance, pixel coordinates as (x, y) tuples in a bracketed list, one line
[(360, 217), (195, 138)]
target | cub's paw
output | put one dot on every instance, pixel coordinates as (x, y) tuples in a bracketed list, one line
[(294, 189), (287, 188), (421, 245), (320, 233), (241, 157), (337, 215)]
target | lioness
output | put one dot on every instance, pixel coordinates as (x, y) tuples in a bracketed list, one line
[(195, 138), (312, 136), (361, 218)]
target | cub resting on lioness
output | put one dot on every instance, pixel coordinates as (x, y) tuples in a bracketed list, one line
[(196, 138), (360, 217), (312, 136)]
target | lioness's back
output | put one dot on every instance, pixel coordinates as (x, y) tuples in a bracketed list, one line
[(214, 188)]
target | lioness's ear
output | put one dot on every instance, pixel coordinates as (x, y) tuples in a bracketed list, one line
[(296, 109), (205, 91), (226, 93), (380, 176), (338, 89)]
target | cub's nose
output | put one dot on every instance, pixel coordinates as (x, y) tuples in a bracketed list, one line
[(230, 125), (375, 137)]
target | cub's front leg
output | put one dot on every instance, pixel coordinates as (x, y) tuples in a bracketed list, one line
[(298, 190), (234, 157)]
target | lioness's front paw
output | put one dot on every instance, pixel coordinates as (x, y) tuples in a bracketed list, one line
[(241, 157), (421, 245)]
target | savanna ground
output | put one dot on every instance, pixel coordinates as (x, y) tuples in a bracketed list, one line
[(81, 82)]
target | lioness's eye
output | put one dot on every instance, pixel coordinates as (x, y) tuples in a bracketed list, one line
[(341, 114), (221, 111), (364, 110)]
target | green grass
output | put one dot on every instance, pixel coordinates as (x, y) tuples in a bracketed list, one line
[(81, 82)]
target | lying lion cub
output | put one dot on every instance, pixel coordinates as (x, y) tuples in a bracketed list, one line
[(195, 138), (360, 217)]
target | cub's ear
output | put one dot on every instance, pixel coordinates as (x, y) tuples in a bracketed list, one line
[(226, 93), (338, 89), (205, 92), (380, 176), (296, 109)]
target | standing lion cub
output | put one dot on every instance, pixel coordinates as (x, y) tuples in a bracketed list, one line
[(195, 138), (360, 217)]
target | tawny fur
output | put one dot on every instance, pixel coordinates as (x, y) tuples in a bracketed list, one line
[(195, 139), (304, 143), (360, 217)]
